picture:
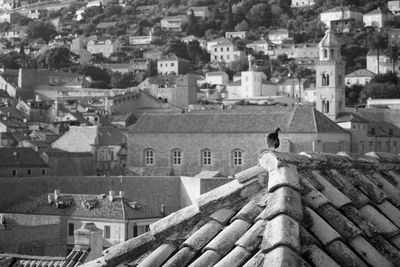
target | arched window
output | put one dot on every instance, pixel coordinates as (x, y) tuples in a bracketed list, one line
[(149, 157), (206, 157), (176, 157), (237, 157), (327, 107), (332, 53), (325, 79), (325, 53)]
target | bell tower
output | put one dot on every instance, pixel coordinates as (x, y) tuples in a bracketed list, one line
[(330, 71)]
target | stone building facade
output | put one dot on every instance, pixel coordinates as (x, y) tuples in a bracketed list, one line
[(227, 141)]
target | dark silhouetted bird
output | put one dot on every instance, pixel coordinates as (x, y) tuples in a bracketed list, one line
[(272, 140)]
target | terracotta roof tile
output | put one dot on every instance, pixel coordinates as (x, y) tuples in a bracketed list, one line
[(313, 209)]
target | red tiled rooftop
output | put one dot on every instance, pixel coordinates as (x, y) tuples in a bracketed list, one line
[(311, 209)]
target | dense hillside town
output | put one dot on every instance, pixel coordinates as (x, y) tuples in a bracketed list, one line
[(137, 133)]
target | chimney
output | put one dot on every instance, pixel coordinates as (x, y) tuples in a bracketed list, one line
[(111, 195), (37, 98), (56, 194), (16, 156), (89, 237), (121, 194), (162, 210)]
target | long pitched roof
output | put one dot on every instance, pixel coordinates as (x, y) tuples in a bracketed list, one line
[(75, 258), (290, 120), (119, 208), (20, 157), (312, 209)]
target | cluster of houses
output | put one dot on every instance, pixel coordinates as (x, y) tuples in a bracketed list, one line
[(119, 156)]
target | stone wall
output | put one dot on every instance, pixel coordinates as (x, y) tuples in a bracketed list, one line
[(32, 235), (222, 145)]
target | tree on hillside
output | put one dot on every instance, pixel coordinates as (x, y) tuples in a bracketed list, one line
[(40, 29), (192, 27), (353, 94), (379, 90), (393, 53), (228, 23), (55, 58), (96, 73), (378, 42), (259, 15)]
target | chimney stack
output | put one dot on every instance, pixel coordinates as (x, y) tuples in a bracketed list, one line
[(162, 210), (56, 194), (111, 195), (89, 237), (121, 194)]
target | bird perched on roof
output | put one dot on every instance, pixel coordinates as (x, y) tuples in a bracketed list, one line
[(272, 140)]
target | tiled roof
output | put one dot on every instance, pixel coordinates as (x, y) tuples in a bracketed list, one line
[(290, 120), (75, 258), (82, 138), (21, 157), (311, 209), (377, 11), (361, 73), (338, 9), (350, 117), (119, 208)]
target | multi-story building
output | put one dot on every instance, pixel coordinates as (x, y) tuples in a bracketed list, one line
[(224, 51), (394, 7), (262, 46), (375, 18), (227, 141), (104, 142), (173, 65), (359, 77), (302, 3), (340, 18), (237, 34), (278, 36), (172, 23), (298, 51), (199, 11), (217, 78), (383, 63), (21, 162), (106, 47), (393, 36)]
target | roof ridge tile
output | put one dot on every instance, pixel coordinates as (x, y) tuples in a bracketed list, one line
[(249, 173), (281, 230), (158, 256)]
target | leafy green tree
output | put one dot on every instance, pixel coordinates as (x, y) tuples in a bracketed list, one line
[(40, 29), (242, 26), (353, 94), (228, 23), (96, 73), (379, 90), (259, 15), (56, 58), (177, 47), (192, 26), (390, 77), (119, 80)]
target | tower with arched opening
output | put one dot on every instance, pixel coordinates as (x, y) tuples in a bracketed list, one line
[(330, 72)]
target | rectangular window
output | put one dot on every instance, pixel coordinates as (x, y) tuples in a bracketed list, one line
[(222, 57), (387, 146), (215, 49), (29, 172), (237, 158), (71, 228), (206, 158), (172, 64), (221, 49), (215, 57), (107, 231), (227, 49), (14, 172), (43, 171), (371, 146), (148, 157), (135, 230)]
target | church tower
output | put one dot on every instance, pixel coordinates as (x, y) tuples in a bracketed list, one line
[(330, 71)]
